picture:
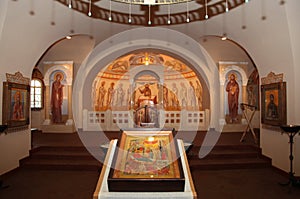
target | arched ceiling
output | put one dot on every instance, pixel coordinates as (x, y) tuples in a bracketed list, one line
[(173, 68), (226, 51), (219, 50)]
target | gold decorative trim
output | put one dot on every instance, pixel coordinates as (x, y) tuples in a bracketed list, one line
[(272, 78), (17, 78)]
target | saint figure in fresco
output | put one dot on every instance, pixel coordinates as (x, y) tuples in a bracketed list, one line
[(120, 95), (102, 92), (173, 96), (110, 95), (232, 88), (199, 92), (272, 109), (183, 95), (18, 113), (146, 91), (165, 96), (57, 99), (191, 95)]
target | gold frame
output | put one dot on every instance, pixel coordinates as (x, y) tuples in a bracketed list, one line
[(152, 176), (10, 115), (278, 93)]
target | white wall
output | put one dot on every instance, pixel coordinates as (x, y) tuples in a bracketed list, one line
[(274, 48), (23, 40), (292, 10), (14, 146)]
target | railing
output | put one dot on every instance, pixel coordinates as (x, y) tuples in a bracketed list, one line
[(115, 120)]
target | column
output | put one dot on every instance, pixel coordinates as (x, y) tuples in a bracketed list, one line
[(222, 105), (47, 106), (70, 112)]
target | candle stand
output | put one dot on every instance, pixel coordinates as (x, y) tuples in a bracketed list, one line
[(291, 131)]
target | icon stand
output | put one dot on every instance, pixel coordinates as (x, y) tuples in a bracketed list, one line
[(245, 108)]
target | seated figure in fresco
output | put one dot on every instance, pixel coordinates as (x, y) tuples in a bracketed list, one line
[(145, 114), (146, 91), (147, 98)]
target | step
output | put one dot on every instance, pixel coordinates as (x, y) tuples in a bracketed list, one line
[(48, 154), (227, 152), (240, 163), (61, 164), (229, 157), (58, 157)]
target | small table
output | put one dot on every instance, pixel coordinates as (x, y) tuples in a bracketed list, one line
[(291, 130)]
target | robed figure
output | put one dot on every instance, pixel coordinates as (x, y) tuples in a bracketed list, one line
[(110, 95), (233, 97), (102, 92), (272, 109), (18, 113), (57, 99), (146, 91)]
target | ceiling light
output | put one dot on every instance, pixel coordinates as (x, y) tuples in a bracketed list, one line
[(224, 37)]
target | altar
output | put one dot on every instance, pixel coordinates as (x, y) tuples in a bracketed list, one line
[(102, 188)]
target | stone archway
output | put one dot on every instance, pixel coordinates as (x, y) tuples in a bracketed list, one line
[(155, 38)]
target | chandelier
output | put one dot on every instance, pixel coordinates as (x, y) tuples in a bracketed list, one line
[(152, 12), (152, 2)]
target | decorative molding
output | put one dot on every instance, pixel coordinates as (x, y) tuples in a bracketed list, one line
[(272, 78), (227, 67), (17, 78), (65, 66), (140, 18), (37, 74)]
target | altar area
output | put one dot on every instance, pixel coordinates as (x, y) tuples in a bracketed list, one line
[(102, 189)]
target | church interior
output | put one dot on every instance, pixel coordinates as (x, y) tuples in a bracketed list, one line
[(185, 98)]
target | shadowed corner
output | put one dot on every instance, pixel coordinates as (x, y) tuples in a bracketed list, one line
[(209, 142), (2, 185), (3, 128)]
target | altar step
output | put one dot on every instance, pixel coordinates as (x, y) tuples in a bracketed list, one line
[(229, 157), (61, 158)]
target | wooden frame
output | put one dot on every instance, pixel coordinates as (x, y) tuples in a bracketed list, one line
[(16, 104), (143, 164), (273, 104)]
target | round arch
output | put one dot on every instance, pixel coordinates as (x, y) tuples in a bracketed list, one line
[(163, 39)]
